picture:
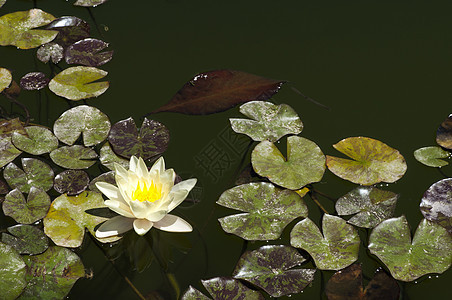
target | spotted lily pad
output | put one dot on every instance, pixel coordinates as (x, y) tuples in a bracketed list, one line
[(336, 249), (5, 78), (74, 157), (89, 3), (86, 52), (17, 29), (12, 272), (305, 162), (430, 251), (373, 161), (52, 274), (66, 220), (26, 211), (36, 173), (272, 269), (267, 210), (82, 119), (430, 156), (436, 204), (70, 30), (71, 182), (76, 83), (152, 139), (371, 206), (108, 177), (193, 294), (268, 121), (444, 133), (26, 239), (50, 51), (34, 81), (108, 158), (39, 140), (7, 150)]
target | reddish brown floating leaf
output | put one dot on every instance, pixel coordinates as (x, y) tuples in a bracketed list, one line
[(444, 133), (34, 81), (71, 29), (216, 91), (86, 52)]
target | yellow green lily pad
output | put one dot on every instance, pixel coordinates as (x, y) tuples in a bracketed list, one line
[(5, 78), (12, 272), (430, 156)]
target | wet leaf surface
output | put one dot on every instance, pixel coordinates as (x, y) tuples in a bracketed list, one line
[(17, 29), (430, 251), (7, 127), (12, 272), (108, 158), (370, 205), (26, 239), (5, 78), (89, 3), (52, 274), (89, 121), (216, 91), (7, 150), (39, 140), (223, 288), (444, 133), (77, 83), (436, 203), (267, 210), (50, 51), (305, 162), (35, 173), (336, 249), (268, 121), (430, 156), (193, 294), (86, 52), (71, 182), (372, 161), (2, 2), (34, 81), (108, 177), (70, 30), (66, 220), (74, 157), (272, 269), (152, 139), (26, 211)]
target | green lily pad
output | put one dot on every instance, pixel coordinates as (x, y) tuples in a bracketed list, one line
[(371, 206), (268, 121), (430, 251), (126, 141), (336, 249), (305, 162), (222, 288), (193, 294), (66, 220), (89, 3), (36, 173), (17, 29), (108, 158), (444, 133), (74, 157), (430, 156), (272, 269), (52, 274), (26, 239), (72, 182), (12, 272), (267, 210), (39, 140), (83, 119), (50, 51), (436, 204), (108, 177), (7, 150), (373, 161), (2, 2), (27, 211), (76, 83), (5, 78)]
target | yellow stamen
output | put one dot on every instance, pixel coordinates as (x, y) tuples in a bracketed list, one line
[(150, 194)]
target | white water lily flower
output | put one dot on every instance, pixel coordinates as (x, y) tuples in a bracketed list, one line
[(143, 199)]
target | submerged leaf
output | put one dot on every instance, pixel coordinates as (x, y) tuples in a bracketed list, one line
[(26, 239), (336, 249), (50, 51), (5, 78), (71, 182), (220, 90), (89, 3), (17, 29), (430, 156), (436, 204), (12, 272), (39, 140), (76, 83), (74, 157), (70, 30), (27, 211), (305, 162), (36, 173), (444, 133), (429, 252), (34, 81), (267, 210), (86, 52), (228, 288), (373, 161), (272, 269), (108, 158)]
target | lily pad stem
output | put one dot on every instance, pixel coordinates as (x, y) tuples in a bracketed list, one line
[(24, 108), (314, 198)]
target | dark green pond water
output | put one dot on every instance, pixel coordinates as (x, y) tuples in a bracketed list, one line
[(382, 67)]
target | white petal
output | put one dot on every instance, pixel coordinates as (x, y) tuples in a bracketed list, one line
[(142, 226), (133, 163), (167, 177), (174, 224), (156, 215), (114, 226), (141, 169), (180, 191), (111, 191), (120, 172), (142, 209), (158, 166), (120, 208)]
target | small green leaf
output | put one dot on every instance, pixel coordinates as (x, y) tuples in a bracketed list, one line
[(268, 121), (83, 119), (436, 204), (108, 158), (272, 269), (305, 162), (76, 83), (26, 211), (336, 249), (12, 273), (373, 161), (444, 133), (7, 150), (89, 3), (5, 78), (36, 173), (193, 294), (72, 182), (39, 140), (429, 252), (26, 239), (74, 157), (429, 156), (228, 288), (267, 210)]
